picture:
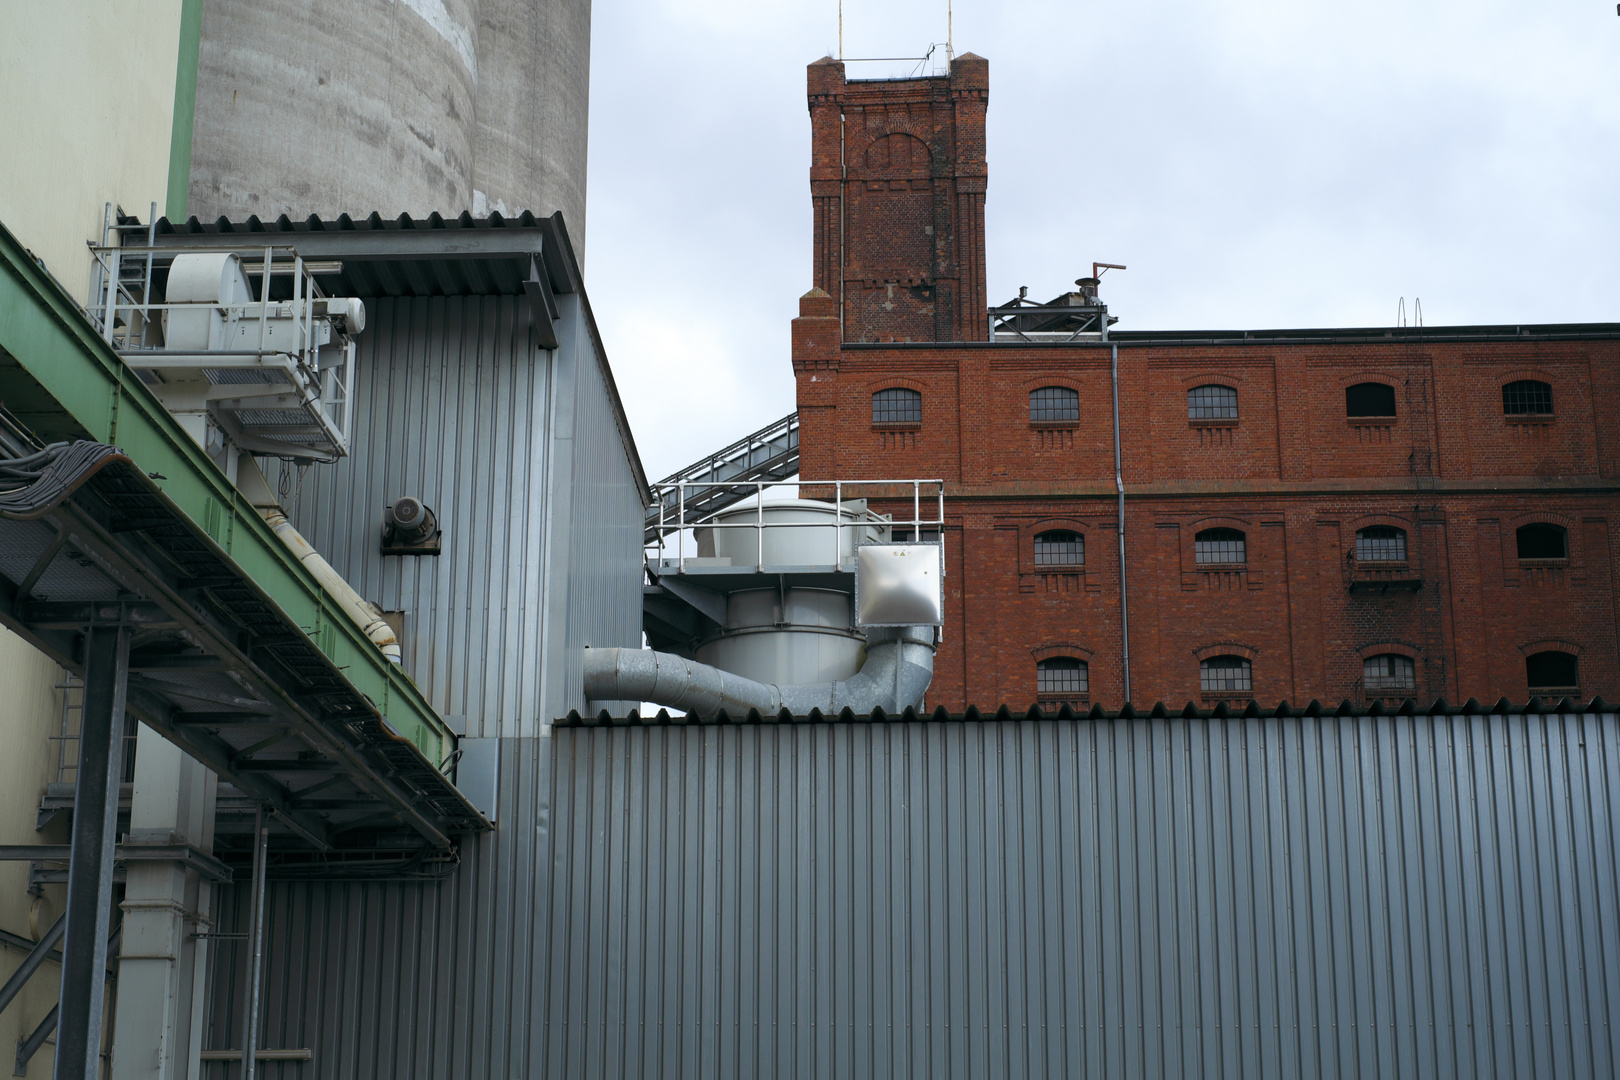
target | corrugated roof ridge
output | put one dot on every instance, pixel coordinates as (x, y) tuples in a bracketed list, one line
[(1221, 710), (346, 223)]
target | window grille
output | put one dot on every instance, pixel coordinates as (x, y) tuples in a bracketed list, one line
[(1542, 542), (1225, 674), (1389, 671), (1220, 546), (1381, 543), (1527, 397), (1060, 547), (897, 405), (1212, 403), (1062, 676), (1369, 399), (1054, 404), (1552, 671)]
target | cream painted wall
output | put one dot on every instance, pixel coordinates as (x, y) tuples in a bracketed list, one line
[(30, 712), (88, 93)]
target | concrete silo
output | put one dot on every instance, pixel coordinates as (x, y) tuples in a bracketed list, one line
[(393, 106)]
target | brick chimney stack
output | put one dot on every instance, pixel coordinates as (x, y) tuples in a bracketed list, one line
[(897, 179)]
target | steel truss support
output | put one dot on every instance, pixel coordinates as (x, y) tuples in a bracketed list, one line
[(90, 868), (36, 956), (27, 1048)]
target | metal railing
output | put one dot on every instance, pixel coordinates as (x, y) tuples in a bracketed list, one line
[(293, 375), (841, 519), (771, 453)]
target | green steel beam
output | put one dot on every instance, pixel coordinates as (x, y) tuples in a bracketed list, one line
[(58, 376)]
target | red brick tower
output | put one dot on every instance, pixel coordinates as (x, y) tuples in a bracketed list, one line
[(897, 178)]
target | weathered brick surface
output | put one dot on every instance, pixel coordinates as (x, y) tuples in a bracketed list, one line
[(897, 181), (1293, 472)]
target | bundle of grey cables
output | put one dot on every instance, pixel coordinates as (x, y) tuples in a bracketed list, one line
[(33, 484)]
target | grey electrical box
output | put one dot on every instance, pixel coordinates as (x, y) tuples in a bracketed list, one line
[(900, 585)]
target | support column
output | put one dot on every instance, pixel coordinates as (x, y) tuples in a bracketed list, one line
[(90, 868), (162, 965)]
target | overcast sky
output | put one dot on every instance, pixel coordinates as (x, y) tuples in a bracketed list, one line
[(1255, 164)]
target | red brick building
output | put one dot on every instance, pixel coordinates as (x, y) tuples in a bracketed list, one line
[(1309, 514)]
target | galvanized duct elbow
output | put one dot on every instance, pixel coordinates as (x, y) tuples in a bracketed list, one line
[(899, 667)]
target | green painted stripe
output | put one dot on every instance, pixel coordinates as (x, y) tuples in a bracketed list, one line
[(185, 109), (71, 381)]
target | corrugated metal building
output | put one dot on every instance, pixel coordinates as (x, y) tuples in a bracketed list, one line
[(1204, 895), (504, 419)]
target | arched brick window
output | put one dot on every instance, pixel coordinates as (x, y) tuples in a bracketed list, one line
[(1389, 671), (1060, 547), (1054, 405), (1062, 676), (1527, 397), (897, 405), (1369, 399), (1225, 675), (1216, 546), (1542, 541), (1212, 403), (1381, 543), (1552, 672)]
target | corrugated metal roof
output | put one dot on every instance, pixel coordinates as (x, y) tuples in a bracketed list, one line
[(1159, 710), (418, 257), (404, 256)]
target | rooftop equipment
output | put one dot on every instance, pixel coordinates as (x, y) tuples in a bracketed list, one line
[(764, 614), (268, 370), (1074, 316)]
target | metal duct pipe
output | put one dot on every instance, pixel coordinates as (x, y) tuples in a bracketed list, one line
[(363, 613), (899, 667)]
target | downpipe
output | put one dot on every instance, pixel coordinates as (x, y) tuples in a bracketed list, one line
[(898, 670), (359, 610)]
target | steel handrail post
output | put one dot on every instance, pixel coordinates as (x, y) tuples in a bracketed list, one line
[(264, 300), (680, 524), (838, 522), (759, 528)]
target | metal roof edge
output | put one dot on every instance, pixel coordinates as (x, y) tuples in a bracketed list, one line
[(1498, 334), (1250, 709)]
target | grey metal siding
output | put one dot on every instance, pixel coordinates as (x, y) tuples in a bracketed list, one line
[(1264, 897), (456, 403), (449, 394), (1310, 897), (604, 544), (419, 980)]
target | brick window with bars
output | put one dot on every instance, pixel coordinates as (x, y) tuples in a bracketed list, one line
[(897, 405)]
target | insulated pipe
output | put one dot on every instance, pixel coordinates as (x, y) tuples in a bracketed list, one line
[(357, 608), (897, 659)]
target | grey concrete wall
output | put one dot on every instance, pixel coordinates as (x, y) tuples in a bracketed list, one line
[(393, 106)]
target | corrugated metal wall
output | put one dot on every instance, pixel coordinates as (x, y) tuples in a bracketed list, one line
[(454, 404), (1234, 898), (1390, 896), (407, 979)]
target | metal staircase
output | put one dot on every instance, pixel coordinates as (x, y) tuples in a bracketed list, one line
[(769, 454)]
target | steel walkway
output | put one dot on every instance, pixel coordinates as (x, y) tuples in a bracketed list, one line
[(769, 454)]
